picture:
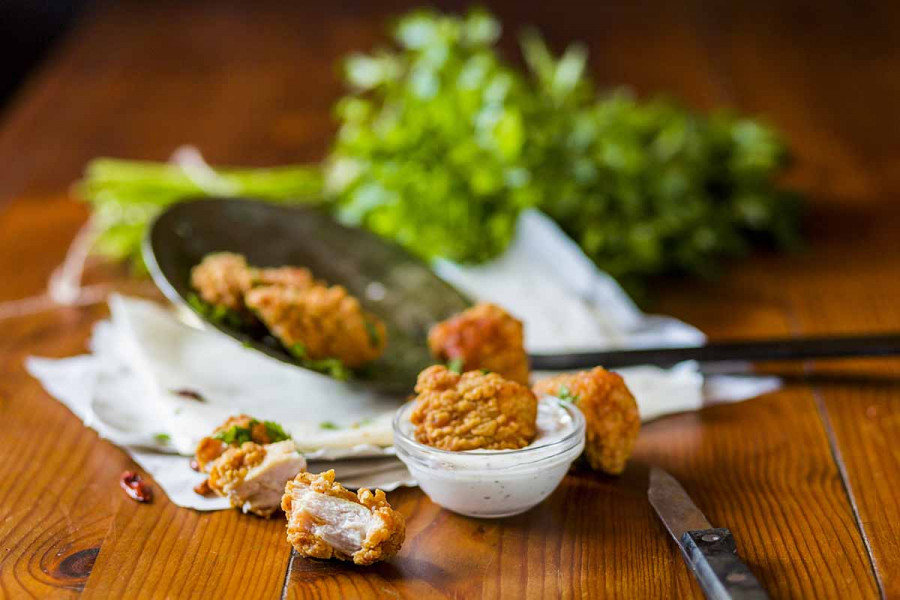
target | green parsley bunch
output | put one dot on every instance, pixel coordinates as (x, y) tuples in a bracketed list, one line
[(442, 144)]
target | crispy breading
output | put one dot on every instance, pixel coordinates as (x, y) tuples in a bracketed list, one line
[(482, 337), (222, 279), (297, 277), (326, 322), (325, 520), (253, 476), (210, 448), (472, 410), (610, 413)]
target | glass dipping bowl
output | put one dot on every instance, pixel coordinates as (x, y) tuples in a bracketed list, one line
[(489, 483)]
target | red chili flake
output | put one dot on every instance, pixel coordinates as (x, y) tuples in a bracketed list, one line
[(136, 487), (189, 394), (203, 488)]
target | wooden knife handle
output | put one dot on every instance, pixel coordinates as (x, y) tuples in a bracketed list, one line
[(713, 557)]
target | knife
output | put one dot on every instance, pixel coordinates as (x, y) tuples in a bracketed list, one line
[(709, 551)]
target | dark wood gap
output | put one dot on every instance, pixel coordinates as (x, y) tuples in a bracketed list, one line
[(845, 479), (287, 575)]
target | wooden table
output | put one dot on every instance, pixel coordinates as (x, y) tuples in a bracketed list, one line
[(808, 478)]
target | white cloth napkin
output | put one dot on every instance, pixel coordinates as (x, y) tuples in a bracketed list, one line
[(567, 305), (124, 391), (127, 388)]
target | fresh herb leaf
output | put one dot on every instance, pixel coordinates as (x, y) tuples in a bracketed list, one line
[(566, 395), (372, 331), (217, 314), (328, 425), (275, 432), (455, 365), (162, 438), (236, 435), (333, 367)]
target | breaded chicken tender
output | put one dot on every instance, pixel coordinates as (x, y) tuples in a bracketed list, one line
[(325, 520), (483, 337), (212, 447), (610, 413), (253, 476), (222, 279), (472, 410), (322, 322)]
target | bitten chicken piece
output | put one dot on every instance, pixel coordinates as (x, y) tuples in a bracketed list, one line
[(325, 520), (483, 337), (222, 279), (233, 432), (610, 413), (472, 410), (320, 323), (253, 477)]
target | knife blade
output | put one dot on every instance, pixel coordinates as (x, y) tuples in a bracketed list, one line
[(709, 551)]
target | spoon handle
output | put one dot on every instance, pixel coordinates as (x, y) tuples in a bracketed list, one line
[(750, 350)]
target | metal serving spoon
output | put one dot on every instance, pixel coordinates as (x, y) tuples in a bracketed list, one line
[(400, 289), (389, 282)]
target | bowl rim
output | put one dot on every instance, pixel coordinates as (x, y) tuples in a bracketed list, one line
[(556, 448)]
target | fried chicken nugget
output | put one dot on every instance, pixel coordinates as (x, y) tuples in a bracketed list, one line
[(472, 410), (325, 520), (222, 279), (253, 476), (323, 322), (610, 413), (482, 337)]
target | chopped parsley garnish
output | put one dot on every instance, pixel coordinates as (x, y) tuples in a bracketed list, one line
[(162, 438), (216, 313), (566, 395), (237, 435), (328, 425), (372, 331), (333, 367), (275, 431), (486, 371), (455, 365)]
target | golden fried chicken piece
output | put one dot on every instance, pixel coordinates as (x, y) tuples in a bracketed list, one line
[(253, 476), (483, 337), (320, 322), (296, 277), (610, 413), (472, 410), (222, 279), (325, 520), (211, 447)]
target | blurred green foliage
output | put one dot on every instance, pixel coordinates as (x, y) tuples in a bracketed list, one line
[(442, 144)]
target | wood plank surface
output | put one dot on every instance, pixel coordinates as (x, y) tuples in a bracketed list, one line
[(807, 478)]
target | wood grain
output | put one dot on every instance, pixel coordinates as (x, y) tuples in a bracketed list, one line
[(807, 478)]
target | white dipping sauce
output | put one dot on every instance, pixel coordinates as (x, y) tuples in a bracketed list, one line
[(495, 483)]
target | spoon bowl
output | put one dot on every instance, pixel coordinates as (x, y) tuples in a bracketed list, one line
[(389, 282)]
